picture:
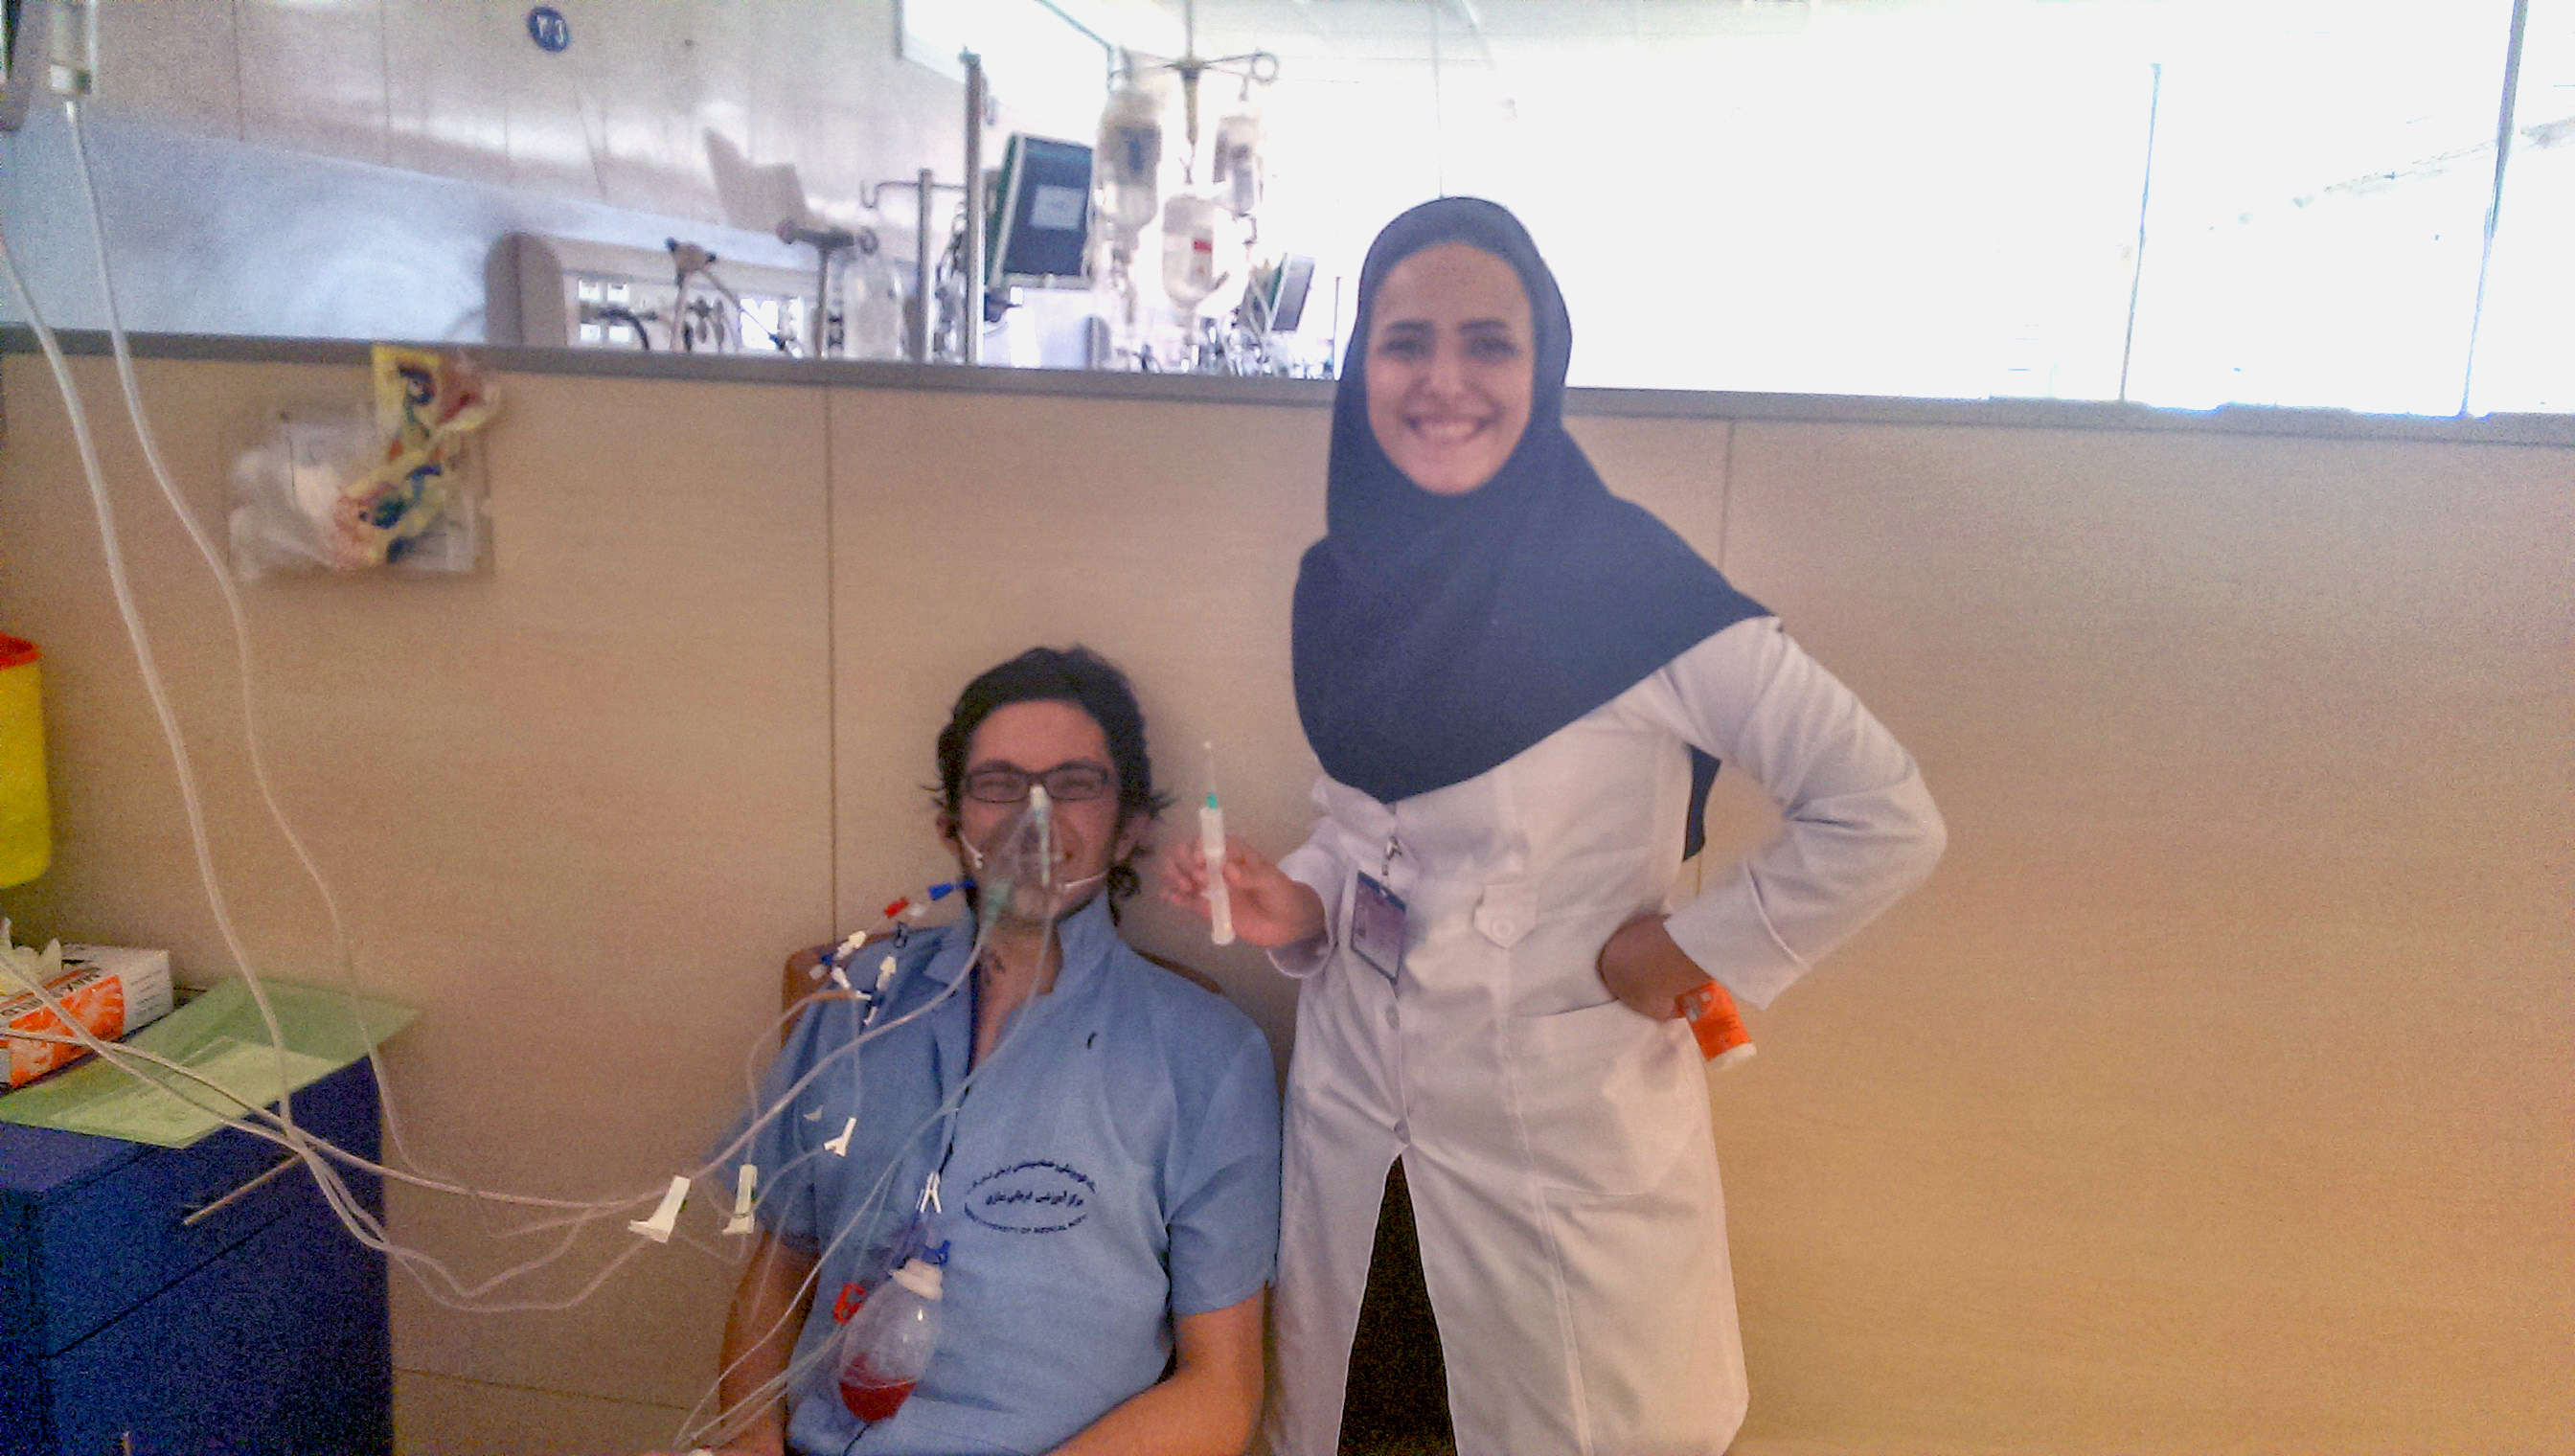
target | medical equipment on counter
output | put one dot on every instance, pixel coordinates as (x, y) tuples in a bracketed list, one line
[(937, 311), (715, 324), (1212, 848), (1201, 234), (822, 322), (1126, 182), (26, 811), (548, 291), (1041, 214), (1275, 300), (871, 303), (922, 321), (1257, 338)]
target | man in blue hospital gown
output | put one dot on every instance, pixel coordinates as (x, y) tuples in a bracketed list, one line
[(1107, 1180)]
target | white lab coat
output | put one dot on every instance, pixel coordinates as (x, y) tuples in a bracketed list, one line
[(1557, 1144)]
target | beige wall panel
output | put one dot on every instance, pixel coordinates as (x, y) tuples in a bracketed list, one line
[(2215, 1094), (435, 1415), (1165, 536), (571, 810), (2212, 1096), (1673, 467)]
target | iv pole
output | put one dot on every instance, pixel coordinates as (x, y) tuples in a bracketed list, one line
[(925, 259), (978, 101)]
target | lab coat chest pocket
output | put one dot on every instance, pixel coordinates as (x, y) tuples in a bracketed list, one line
[(1603, 1096)]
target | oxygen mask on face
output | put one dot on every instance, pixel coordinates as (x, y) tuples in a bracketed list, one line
[(1018, 880)]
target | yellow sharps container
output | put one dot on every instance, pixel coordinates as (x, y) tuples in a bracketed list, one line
[(26, 819)]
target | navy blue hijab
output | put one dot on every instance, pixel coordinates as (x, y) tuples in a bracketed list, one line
[(1438, 635)]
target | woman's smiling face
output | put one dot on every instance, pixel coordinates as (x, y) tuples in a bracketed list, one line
[(1451, 366)]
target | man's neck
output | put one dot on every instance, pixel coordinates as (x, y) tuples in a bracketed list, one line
[(1023, 957), (1017, 965)]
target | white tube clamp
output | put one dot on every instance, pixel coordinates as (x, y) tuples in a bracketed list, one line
[(666, 1217)]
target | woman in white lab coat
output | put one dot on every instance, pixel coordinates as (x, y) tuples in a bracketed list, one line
[(1518, 686)]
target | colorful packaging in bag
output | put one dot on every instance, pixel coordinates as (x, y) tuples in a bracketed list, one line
[(427, 404), (109, 989), (26, 817)]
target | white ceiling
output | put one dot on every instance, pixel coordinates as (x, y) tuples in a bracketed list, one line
[(1416, 30)]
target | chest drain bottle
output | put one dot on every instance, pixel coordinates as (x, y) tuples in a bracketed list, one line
[(887, 1345)]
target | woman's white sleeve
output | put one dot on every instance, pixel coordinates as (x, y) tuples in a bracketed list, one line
[(1318, 866), (1858, 829)]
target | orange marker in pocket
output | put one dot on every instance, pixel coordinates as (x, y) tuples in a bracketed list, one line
[(1723, 1037)]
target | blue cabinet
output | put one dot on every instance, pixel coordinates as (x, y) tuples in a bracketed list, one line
[(143, 1309)]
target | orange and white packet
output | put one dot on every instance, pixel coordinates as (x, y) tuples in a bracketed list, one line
[(110, 990), (1724, 1039)]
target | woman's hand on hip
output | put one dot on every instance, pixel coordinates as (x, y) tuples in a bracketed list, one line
[(1643, 968), (1270, 909)]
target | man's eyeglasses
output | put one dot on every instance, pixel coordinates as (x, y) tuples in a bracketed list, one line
[(1068, 782)]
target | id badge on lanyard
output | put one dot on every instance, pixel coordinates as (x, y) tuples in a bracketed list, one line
[(1377, 920)]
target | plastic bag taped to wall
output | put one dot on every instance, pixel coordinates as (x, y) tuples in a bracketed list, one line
[(396, 486)]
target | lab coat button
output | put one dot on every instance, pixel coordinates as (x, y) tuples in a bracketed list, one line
[(1505, 914), (1402, 1132), (1391, 1018)]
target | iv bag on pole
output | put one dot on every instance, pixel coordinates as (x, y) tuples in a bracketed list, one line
[(1236, 170), (1128, 159), (1188, 248)]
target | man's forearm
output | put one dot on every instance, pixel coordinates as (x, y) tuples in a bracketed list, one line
[(769, 1309), (1206, 1408)]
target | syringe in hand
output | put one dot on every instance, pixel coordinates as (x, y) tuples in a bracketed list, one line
[(1212, 846)]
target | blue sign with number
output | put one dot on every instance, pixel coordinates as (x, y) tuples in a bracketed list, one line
[(547, 28)]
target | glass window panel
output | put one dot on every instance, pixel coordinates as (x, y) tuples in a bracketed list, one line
[(2319, 194), (1042, 71), (2526, 338), (1942, 197)]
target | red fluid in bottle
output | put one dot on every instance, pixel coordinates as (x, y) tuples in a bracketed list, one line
[(868, 1399)]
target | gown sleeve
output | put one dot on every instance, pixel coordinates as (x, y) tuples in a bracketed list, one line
[(1320, 866), (1858, 829)]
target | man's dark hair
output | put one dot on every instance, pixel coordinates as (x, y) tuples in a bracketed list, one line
[(1087, 681)]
